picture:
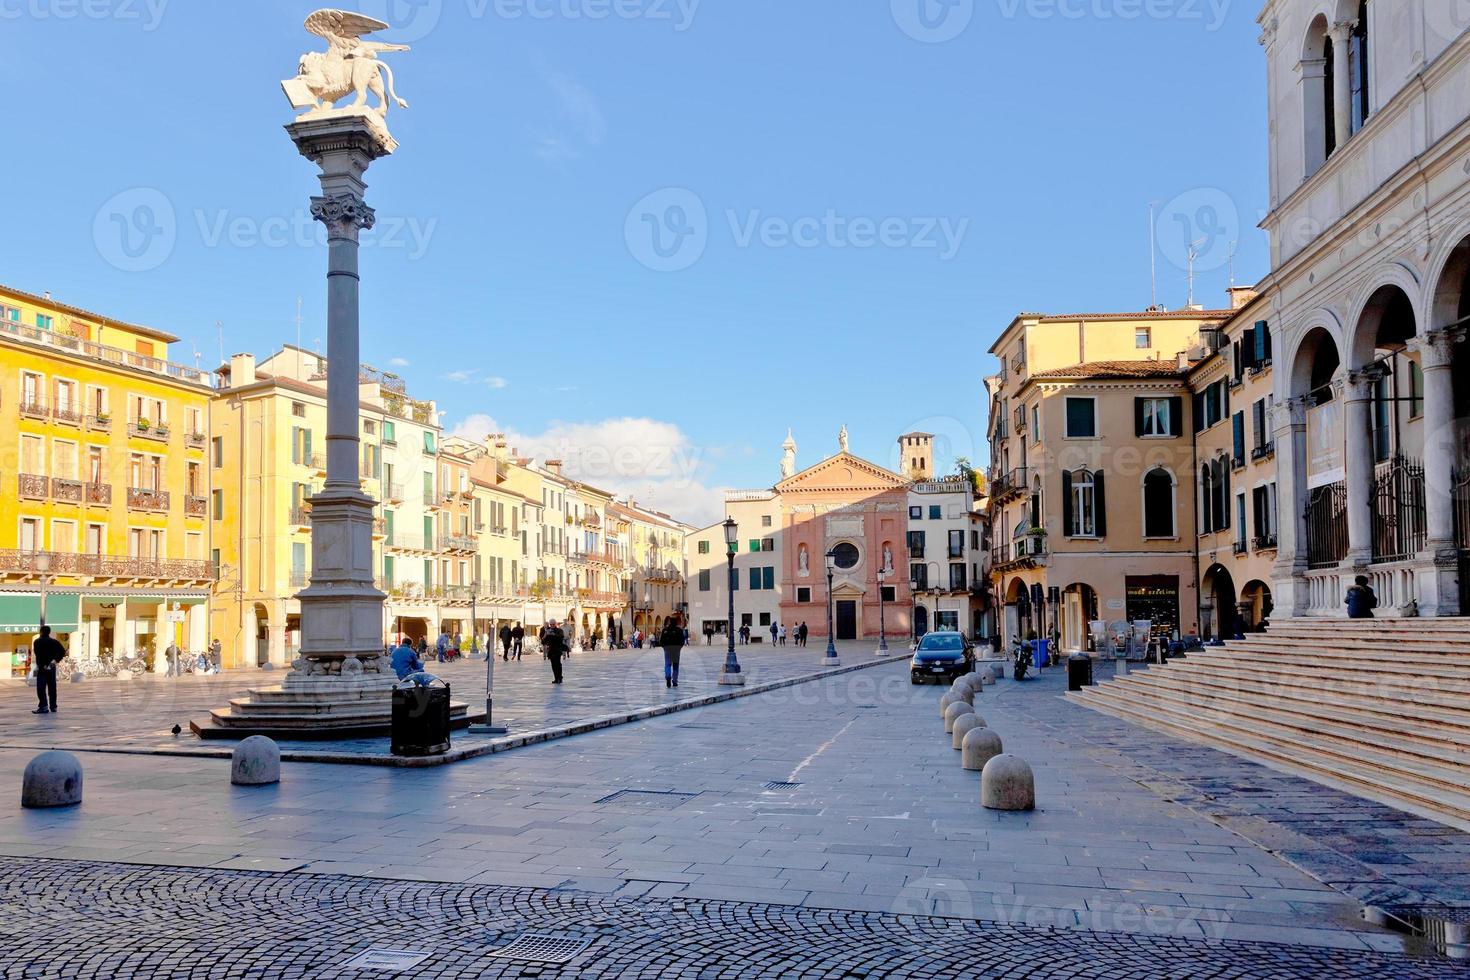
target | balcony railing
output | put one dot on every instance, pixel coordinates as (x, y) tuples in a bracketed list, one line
[(1239, 547), (301, 516), (67, 415), (1264, 542), (196, 506), (1011, 484), (393, 493), (107, 567), (1265, 451), (99, 423), (315, 461), (143, 430), (99, 493), (299, 578), (101, 352), (33, 408), (457, 542), (1019, 553), (195, 440), (66, 491), (154, 500), (32, 487)]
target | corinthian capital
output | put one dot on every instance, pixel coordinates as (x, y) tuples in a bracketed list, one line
[(1342, 31), (1437, 348), (343, 213), (1360, 382)]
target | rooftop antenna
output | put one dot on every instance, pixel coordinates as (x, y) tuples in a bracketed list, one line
[(300, 368), (1193, 254), (1153, 258), (219, 327), (1233, 246)]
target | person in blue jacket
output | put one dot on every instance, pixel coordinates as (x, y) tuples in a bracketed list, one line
[(405, 660)]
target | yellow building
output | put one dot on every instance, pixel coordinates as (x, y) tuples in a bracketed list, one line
[(107, 441)]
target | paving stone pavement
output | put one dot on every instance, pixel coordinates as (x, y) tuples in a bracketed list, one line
[(67, 919), (137, 715), (880, 819)]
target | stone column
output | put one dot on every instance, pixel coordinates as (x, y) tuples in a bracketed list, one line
[(1439, 593), (1342, 93), (1288, 573), (1358, 464), (341, 610)]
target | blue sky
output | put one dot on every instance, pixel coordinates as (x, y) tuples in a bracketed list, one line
[(848, 202)]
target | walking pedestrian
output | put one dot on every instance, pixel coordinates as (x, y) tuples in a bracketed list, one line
[(518, 640), (171, 656), (709, 634), (216, 655), (506, 638), (801, 632), (783, 634), (554, 646), (46, 653), (441, 647), (775, 633), (672, 639)]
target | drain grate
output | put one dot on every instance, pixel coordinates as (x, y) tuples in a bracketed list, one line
[(386, 960), (647, 799), (536, 948), (778, 784)]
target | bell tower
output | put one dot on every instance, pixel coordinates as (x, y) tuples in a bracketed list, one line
[(916, 455)]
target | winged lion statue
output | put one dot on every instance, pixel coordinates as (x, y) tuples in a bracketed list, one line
[(349, 66)]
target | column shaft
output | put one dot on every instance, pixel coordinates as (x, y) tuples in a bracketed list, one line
[(1342, 93), (1358, 466)]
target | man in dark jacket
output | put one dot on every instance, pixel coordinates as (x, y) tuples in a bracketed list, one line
[(518, 640), (506, 638), (1360, 599), (48, 652), (554, 645), (672, 639)]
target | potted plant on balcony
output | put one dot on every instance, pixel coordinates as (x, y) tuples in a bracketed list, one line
[(104, 418), (143, 424), (161, 430)]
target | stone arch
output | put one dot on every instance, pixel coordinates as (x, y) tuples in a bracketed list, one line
[(1217, 592), (1151, 489), (1448, 285), (1316, 67), (1258, 594), (1320, 335), (1386, 313)]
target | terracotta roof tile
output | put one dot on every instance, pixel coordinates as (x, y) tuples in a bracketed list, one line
[(1113, 369)]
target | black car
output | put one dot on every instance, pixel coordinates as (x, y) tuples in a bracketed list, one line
[(942, 656)]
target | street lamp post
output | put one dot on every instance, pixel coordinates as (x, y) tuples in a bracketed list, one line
[(489, 727), (732, 675), (831, 658), (42, 565), (882, 622)]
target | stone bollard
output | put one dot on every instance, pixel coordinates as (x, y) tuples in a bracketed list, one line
[(979, 746), (962, 726), (962, 692), (51, 779), (945, 701), (975, 683), (953, 712), (77, 677), (987, 675), (1007, 784), (255, 762)]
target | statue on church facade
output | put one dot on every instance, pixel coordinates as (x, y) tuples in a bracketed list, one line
[(842, 438), (788, 457)]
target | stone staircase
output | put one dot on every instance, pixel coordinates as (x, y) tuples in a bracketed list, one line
[(1378, 708)]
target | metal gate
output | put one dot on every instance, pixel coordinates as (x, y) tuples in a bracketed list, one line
[(1460, 497), (1399, 515), (1326, 526)]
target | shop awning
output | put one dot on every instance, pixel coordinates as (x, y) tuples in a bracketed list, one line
[(22, 613)]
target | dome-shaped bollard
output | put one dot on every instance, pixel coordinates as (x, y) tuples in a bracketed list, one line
[(974, 682), (962, 692), (978, 747), (953, 712), (255, 762), (987, 675), (945, 701), (962, 726), (51, 779), (1006, 783)]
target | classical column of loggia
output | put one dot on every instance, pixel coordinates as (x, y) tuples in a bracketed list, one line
[(1342, 92), (1289, 571), (1358, 464), (341, 611), (1439, 594)]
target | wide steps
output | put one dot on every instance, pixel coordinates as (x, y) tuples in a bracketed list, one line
[(1409, 713), (1365, 646), (1339, 675), (1366, 778), (1374, 734), (1328, 660)]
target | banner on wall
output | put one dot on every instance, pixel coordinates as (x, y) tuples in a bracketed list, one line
[(1325, 444)]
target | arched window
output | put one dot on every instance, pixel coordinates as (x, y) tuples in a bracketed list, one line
[(1158, 504), (1317, 71)]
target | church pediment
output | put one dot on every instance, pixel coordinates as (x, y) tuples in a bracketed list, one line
[(843, 472)]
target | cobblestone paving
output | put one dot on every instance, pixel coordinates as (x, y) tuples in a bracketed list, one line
[(138, 714), (1381, 856), (113, 922)]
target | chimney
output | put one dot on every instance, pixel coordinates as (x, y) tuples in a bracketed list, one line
[(554, 465), (242, 370), (1241, 295)]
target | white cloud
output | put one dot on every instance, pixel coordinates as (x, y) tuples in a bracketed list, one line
[(580, 123), (398, 362), (651, 461), (473, 376)]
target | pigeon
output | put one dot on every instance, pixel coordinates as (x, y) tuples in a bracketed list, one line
[(176, 729)]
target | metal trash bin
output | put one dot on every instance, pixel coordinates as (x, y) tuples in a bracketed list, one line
[(420, 716), (1041, 655), (1079, 671)]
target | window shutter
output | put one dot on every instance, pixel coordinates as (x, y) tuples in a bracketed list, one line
[(768, 578), (1248, 345), (1199, 411), (1237, 363), (1067, 505), (1263, 341), (1224, 503), (1100, 504), (1176, 416), (1138, 416), (1237, 424)]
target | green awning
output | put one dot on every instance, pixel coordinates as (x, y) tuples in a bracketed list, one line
[(22, 613)]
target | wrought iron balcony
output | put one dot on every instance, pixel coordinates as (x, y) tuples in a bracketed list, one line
[(316, 461), (1012, 484), (393, 493), (67, 415), (99, 493), (32, 487), (1239, 547), (99, 423), (67, 491), (1264, 542), (299, 578), (1265, 451), (154, 500), (195, 440), (23, 564), (34, 408), (140, 429), (301, 516), (60, 340), (196, 506), (457, 542)]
